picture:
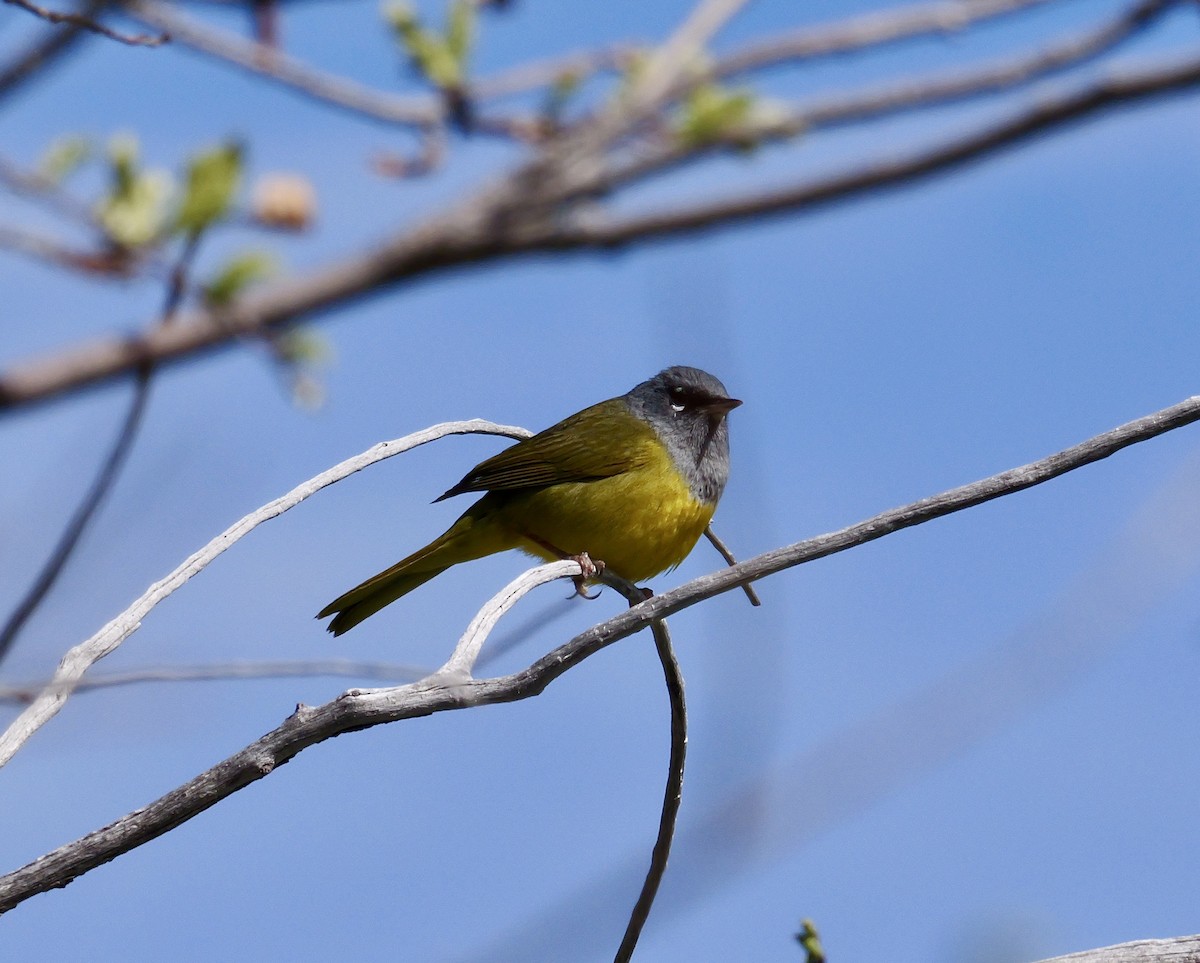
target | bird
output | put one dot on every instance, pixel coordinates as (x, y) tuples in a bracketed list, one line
[(632, 482)]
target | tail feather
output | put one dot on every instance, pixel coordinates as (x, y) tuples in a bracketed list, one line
[(472, 536), (372, 595)]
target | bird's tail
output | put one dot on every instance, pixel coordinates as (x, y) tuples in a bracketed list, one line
[(367, 599), (472, 536)]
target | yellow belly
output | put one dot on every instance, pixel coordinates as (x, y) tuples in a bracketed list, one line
[(639, 523)]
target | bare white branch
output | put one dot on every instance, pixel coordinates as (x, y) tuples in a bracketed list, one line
[(462, 662), (84, 655)]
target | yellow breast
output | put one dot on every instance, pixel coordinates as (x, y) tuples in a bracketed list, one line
[(639, 523)]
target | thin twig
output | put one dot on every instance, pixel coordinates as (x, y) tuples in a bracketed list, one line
[(896, 97), (866, 31), (472, 234), (361, 709), (80, 658), (51, 251), (109, 471), (53, 567), (281, 68), (726, 554), (673, 791), (546, 73), (85, 22), (1050, 112), (26, 692), (43, 52)]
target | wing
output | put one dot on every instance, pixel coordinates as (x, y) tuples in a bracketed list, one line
[(601, 441)]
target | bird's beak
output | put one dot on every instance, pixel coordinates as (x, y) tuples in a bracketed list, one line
[(721, 406)]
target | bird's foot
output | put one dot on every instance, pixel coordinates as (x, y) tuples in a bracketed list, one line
[(589, 569)]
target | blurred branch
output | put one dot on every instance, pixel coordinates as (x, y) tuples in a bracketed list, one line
[(85, 22), (46, 192), (809, 43), (867, 31), (1049, 113), (1180, 949), (545, 73), (43, 52), (79, 659), (523, 214), (67, 542), (110, 468), (1004, 75), (268, 62), (361, 709), (27, 692), (914, 94), (51, 251)]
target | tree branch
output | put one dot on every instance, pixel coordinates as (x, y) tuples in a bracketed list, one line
[(85, 22), (1180, 949), (25, 693), (84, 655), (1050, 112), (672, 793), (867, 31), (263, 61), (101, 485), (361, 709), (486, 228), (43, 52)]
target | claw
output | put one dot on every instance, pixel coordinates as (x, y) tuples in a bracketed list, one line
[(589, 569)]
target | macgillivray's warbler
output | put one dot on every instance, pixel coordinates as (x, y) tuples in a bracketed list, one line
[(632, 481)]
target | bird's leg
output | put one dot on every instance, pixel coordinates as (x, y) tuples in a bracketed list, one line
[(589, 567)]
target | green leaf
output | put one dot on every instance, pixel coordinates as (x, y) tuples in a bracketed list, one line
[(460, 30), (64, 156), (237, 275), (135, 209), (810, 942), (303, 346), (213, 178), (432, 54), (711, 113)]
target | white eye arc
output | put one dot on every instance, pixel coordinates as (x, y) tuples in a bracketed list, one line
[(677, 407)]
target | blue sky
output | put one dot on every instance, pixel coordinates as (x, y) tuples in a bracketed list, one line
[(974, 740)]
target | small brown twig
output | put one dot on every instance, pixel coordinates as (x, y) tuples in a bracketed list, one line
[(43, 52), (85, 22), (726, 554)]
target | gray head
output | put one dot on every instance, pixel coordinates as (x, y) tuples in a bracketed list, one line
[(686, 407)]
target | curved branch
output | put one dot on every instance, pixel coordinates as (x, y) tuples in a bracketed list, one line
[(1049, 113), (361, 709), (490, 226), (84, 655), (268, 62), (672, 793)]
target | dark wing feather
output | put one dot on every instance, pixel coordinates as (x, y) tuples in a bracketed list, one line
[(598, 442)]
